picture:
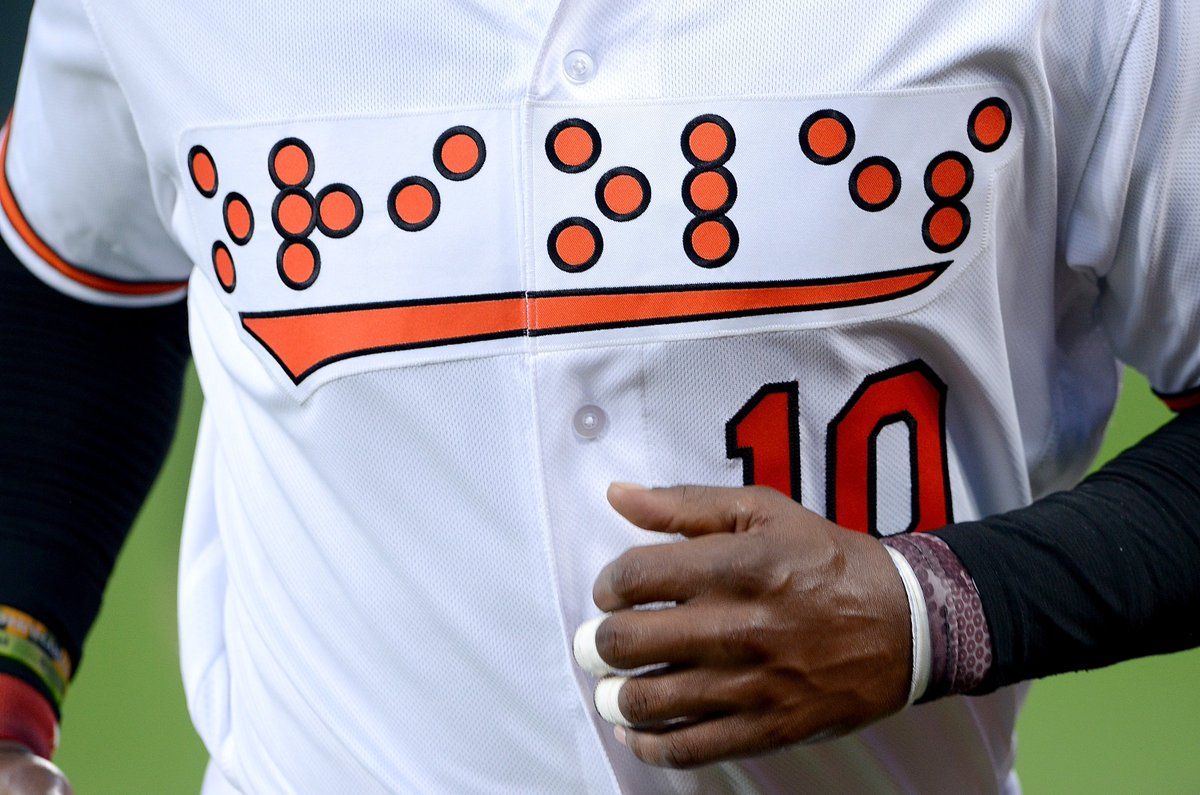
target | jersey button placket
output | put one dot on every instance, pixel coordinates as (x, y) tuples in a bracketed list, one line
[(589, 422), (579, 66)]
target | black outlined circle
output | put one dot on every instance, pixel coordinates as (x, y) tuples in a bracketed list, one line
[(864, 202), (697, 158), (968, 176), (695, 224), (277, 219), (422, 223), (237, 198), (707, 173), (350, 193), (276, 178), (200, 151), (552, 246), (228, 281), (973, 119), (296, 284), (613, 213), (806, 139), (964, 216), (553, 155), (440, 163)]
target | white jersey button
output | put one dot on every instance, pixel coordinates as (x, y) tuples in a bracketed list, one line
[(579, 66), (589, 422)]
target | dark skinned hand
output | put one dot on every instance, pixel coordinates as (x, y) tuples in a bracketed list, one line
[(785, 628), (24, 773)]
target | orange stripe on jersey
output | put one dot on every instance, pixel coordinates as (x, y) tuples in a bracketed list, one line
[(303, 341), (307, 340), (12, 211), (1181, 401), (559, 313)]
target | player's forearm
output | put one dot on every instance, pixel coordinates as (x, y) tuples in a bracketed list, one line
[(1098, 574), (89, 397)]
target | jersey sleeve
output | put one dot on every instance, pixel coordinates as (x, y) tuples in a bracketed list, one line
[(1136, 222), (80, 208)]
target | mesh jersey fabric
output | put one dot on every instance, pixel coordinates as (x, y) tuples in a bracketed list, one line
[(397, 503)]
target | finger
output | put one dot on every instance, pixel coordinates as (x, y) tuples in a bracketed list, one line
[(684, 635), (688, 510), (677, 694), (691, 744), (672, 572)]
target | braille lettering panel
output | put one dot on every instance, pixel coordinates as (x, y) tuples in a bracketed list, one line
[(391, 241)]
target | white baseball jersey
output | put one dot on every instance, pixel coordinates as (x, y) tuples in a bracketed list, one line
[(453, 268)]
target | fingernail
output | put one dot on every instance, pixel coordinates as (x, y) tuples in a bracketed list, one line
[(631, 486), (619, 733)]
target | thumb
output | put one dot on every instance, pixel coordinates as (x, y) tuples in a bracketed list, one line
[(688, 510)]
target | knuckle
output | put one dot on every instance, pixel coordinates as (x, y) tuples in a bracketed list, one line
[(637, 701), (627, 575), (680, 750), (612, 640)]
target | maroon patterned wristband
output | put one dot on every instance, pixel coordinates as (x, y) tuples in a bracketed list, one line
[(960, 645)]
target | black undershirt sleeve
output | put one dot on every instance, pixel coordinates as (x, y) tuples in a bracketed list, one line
[(89, 397), (1105, 572)]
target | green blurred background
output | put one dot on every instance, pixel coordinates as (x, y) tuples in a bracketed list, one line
[(1131, 728)]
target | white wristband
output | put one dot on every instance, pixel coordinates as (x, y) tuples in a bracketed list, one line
[(919, 622)]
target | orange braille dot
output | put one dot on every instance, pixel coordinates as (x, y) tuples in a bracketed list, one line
[(990, 125), (827, 137), (948, 179), (460, 153), (709, 191), (291, 165), (711, 240), (623, 194), (223, 266), (575, 245), (204, 171), (298, 264), (238, 219), (875, 184), (414, 204), (708, 141), (338, 211), (295, 214), (573, 146), (945, 226)]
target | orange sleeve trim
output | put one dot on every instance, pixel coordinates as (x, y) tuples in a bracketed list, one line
[(12, 210), (1181, 401)]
